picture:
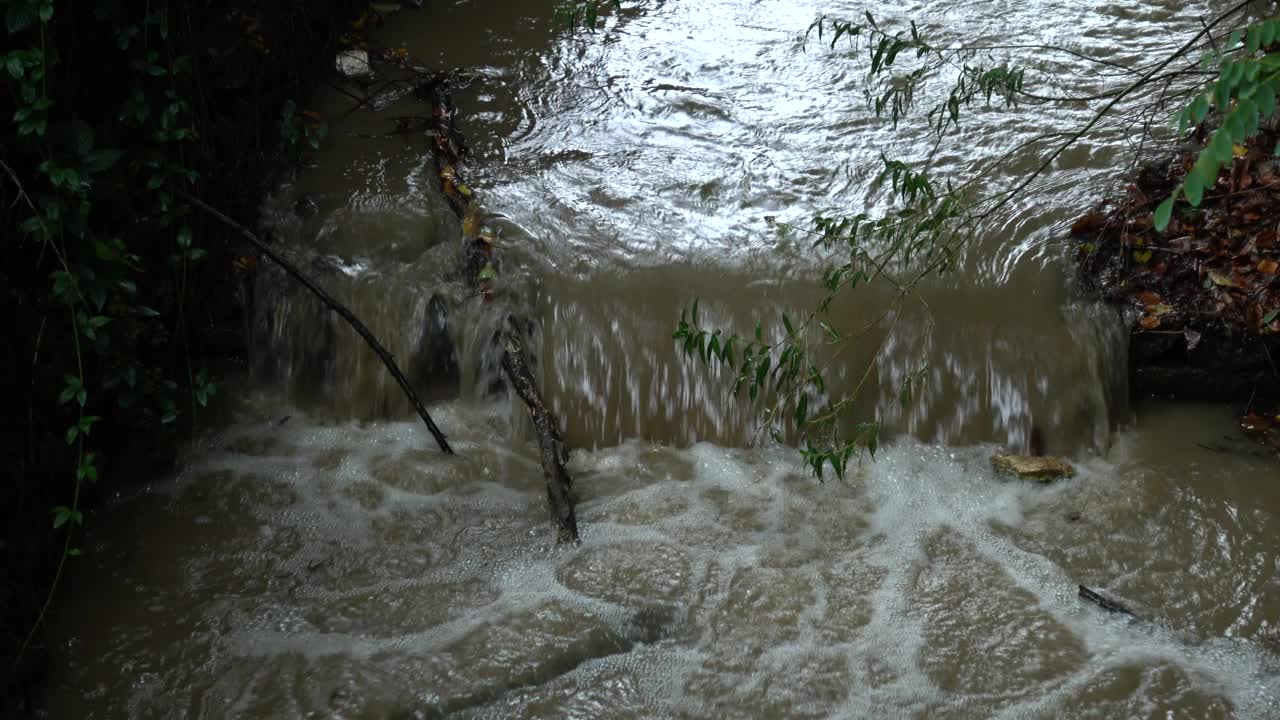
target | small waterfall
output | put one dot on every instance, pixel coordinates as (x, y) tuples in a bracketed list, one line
[(439, 331)]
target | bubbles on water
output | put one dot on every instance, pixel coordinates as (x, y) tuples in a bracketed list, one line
[(628, 573), (370, 576)]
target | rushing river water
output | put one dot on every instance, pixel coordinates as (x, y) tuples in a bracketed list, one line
[(315, 557)]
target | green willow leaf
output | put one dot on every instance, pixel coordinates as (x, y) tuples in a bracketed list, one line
[(1265, 98), (1163, 212)]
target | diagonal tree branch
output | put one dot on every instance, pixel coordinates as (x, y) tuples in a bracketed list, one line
[(337, 307)]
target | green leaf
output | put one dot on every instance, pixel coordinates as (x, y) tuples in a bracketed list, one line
[(1251, 72), (1221, 95), (1237, 73), (13, 63), (1271, 316), (72, 386), (1234, 126), (18, 17), (815, 378), (61, 515), (1163, 211), (762, 370), (1220, 147), (72, 433), (46, 12), (1194, 184), (100, 160), (1248, 112), (1265, 97), (1224, 73)]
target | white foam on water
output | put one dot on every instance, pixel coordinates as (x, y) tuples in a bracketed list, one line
[(709, 581)]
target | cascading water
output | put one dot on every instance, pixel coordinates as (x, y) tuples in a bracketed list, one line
[(317, 558)]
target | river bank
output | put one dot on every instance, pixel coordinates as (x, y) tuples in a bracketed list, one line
[(1201, 299), (230, 69)]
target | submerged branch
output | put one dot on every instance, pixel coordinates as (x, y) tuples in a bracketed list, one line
[(553, 452), (337, 307)]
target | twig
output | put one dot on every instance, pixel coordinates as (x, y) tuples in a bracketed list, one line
[(1106, 603), (22, 194), (1146, 78), (338, 308), (553, 452)]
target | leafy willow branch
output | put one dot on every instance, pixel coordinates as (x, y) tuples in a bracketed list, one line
[(929, 223)]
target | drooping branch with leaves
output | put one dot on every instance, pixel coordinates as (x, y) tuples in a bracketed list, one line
[(1221, 81)]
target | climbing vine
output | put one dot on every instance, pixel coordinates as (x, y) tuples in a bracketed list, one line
[(115, 115), (99, 223)]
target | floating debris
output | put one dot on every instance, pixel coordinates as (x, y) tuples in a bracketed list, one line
[(1039, 469)]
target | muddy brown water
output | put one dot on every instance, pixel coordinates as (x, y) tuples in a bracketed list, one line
[(334, 566)]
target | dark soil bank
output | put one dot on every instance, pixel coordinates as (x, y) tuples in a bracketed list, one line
[(1203, 296)]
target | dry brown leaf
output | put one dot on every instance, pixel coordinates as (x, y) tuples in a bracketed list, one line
[(1149, 322), (1268, 265), (1146, 297), (1221, 280), (471, 222)]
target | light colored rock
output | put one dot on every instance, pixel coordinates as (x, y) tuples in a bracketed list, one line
[(354, 64), (1040, 469)]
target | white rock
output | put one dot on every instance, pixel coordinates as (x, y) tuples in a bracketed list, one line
[(354, 64)]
